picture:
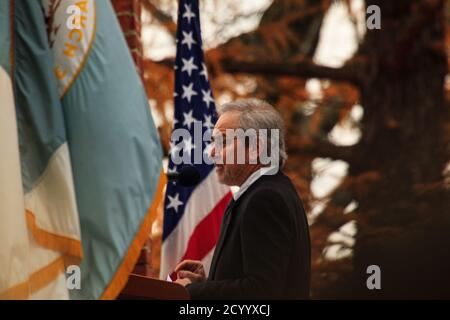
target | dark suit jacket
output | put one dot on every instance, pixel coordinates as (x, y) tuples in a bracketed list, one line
[(263, 251)]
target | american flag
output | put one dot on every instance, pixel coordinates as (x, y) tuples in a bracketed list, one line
[(192, 215)]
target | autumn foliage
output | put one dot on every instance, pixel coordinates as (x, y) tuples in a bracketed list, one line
[(396, 186)]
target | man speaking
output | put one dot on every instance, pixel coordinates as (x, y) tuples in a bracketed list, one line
[(263, 251)]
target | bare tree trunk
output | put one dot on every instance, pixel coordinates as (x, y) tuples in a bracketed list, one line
[(404, 224)]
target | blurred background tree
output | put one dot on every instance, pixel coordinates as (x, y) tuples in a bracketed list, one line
[(368, 126)]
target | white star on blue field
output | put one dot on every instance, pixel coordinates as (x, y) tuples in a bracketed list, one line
[(194, 102)]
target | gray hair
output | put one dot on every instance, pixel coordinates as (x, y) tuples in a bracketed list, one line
[(258, 114)]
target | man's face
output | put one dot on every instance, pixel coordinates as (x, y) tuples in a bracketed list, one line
[(224, 150)]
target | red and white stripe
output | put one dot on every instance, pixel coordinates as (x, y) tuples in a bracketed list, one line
[(197, 232)]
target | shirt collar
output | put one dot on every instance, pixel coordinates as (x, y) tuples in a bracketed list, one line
[(252, 179)]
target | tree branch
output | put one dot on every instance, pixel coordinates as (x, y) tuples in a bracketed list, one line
[(163, 18), (350, 72), (324, 149)]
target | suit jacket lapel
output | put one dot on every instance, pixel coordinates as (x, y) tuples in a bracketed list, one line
[(223, 230)]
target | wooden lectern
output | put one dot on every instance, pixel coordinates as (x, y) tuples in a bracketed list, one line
[(144, 288)]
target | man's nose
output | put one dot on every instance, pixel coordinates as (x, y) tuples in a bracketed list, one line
[(215, 154)]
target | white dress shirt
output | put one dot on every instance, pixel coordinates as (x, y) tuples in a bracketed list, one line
[(252, 179)]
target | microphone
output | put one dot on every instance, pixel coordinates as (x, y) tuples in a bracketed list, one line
[(188, 176)]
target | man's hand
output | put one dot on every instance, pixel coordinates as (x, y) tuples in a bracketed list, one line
[(184, 282), (192, 270)]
